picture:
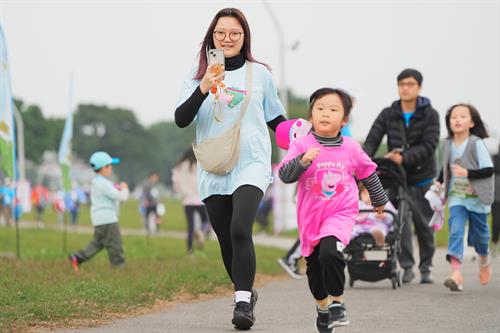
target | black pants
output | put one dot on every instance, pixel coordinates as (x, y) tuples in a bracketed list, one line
[(190, 211), (495, 219), (421, 215), (263, 213), (294, 253), (232, 219), (325, 269)]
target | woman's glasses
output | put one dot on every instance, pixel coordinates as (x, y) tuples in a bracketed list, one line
[(234, 36)]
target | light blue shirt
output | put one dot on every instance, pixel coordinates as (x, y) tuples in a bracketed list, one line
[(484, 160), (104, 198), (254, 164)]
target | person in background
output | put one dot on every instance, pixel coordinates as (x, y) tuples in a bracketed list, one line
[(467, 181), (185, 183), (73, 200), (265, 208), (104, 210), (412, 128), (150, 197)]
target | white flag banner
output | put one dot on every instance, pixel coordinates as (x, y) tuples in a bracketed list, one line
[(7, 147)]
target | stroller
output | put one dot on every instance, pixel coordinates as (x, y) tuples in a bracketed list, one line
[(393, 178)]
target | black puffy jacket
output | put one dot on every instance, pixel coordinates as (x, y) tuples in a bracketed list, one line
[(422, 138)]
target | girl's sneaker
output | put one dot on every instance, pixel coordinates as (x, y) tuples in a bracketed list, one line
[(323, 321), (74, 262), (338, 314), (455, 282), (484, 273)]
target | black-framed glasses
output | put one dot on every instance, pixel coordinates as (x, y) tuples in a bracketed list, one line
[(234, 36), (407, 84)]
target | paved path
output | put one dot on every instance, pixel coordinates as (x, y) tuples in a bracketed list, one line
[(286, 306)]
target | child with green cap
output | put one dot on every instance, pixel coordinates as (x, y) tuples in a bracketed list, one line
[(104, 209)]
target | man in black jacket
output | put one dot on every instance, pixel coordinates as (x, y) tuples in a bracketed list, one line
[(412, 128)]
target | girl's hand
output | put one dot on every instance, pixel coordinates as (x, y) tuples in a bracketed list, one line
[(214, 73), (458, 171), (123, 186), (379, 211), (310, 155)]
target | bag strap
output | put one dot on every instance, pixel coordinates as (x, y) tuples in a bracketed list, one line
[(248, 95)]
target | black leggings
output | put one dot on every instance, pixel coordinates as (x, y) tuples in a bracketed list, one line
[(232, 219), (325, 269)]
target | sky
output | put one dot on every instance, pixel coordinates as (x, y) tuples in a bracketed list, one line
[(135, 54)]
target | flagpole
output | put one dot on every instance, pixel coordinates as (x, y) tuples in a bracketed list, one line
[(65, 161), (19, 131)]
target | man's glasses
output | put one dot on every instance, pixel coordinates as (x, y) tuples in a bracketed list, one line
[(408, 84), (234, 36)]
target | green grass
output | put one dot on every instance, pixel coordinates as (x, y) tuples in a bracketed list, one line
[(42, 287)]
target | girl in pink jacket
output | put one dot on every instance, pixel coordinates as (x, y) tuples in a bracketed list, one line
[(325, 165)]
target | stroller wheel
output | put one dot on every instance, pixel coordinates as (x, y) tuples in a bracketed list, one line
[(351, 282)]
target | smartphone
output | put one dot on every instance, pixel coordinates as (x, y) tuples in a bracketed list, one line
[(216, 56)]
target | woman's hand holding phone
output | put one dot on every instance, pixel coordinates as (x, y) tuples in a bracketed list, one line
[(214, 73)]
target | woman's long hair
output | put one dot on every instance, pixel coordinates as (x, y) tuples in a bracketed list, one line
[(189, 156), (208, 42), (479, 128)]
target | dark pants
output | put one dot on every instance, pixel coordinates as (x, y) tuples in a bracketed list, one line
[(495, 219), (294, 253), (421, 213), (105, 236), (39, 212), (325, 269), (190, 211), (232, 219), (263, 213)]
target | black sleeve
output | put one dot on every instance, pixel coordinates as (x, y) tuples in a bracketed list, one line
[(441, 176), (275, 122), (374, 137), (426, 148), (186, 112), (291, 171), (480, 173)]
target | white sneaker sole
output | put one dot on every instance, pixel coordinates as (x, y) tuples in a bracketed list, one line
[(339, 323)]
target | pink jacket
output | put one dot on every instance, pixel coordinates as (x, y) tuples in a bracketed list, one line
[(327, 203)]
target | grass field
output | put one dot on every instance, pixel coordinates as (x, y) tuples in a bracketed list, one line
[(42, 289)]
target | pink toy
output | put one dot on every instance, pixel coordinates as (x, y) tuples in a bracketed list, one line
[(290, 130)]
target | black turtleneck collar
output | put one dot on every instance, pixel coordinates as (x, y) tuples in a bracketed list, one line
[(235, 62), (329, 142)]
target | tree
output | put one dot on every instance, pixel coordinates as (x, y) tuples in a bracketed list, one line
[(173, 141), (117, 132), (40, 134)]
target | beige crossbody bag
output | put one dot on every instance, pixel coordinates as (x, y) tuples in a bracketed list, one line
[(218, 155)]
